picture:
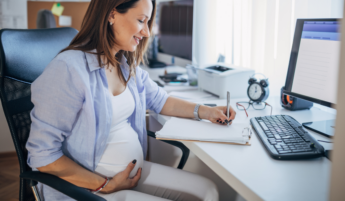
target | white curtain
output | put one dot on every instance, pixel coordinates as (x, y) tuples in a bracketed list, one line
[(258, 34)]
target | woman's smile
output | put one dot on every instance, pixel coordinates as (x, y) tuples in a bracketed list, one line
[(137, 39)]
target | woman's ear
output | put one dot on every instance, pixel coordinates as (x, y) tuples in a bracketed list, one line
[(111, 18)]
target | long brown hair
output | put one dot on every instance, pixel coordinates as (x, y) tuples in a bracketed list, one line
[(96, 33)]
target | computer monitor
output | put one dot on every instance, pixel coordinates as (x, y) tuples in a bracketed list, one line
[(313, 67), (173, 42)]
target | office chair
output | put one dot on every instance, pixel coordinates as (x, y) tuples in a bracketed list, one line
[(23, 56), (45, 19)]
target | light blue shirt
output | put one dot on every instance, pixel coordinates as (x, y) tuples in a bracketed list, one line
[(72, 111)]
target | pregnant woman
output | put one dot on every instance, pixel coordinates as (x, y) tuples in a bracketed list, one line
[(88, 120)]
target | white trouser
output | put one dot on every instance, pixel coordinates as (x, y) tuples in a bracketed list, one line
[(159, 182)]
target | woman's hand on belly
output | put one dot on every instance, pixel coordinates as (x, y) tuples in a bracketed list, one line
[(121, 181)]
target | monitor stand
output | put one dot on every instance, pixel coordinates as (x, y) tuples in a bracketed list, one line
[(325, 128), (156, 64)]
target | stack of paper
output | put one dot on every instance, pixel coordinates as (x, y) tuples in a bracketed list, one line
[(187, 129)]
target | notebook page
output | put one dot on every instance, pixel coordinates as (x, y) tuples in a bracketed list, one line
[(187, 129)]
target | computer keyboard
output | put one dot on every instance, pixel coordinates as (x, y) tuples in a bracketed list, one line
[(285, 139)]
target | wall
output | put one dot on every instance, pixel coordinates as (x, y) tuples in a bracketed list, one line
[(6, 143), (204, 33), (76, 10), (13, 14), (338, 160)]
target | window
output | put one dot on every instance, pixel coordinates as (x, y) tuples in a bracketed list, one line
[(258, 34)]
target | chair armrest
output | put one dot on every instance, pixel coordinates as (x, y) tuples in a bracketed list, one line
[(61, 185), (185, 150), (151, 134)]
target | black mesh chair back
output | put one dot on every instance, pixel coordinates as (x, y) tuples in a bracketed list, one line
[(23, 56)]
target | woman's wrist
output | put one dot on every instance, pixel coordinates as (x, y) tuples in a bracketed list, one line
[(109, 188), (99, 182), (204, 112), (102, 186)]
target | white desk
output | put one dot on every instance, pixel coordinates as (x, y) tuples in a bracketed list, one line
[(154, 74), (254, 174)]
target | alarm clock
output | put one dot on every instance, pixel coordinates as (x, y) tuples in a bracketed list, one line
[(258, 91)]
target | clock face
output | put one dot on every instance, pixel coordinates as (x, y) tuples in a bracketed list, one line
[(255, 91)]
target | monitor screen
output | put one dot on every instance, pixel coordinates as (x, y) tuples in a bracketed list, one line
[(175, 28), (314, 61)]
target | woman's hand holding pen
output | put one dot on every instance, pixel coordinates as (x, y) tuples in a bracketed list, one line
[(217, 114), (121, 181)]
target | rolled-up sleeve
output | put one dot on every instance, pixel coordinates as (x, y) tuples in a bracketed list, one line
[(155, 95), (57, 96)]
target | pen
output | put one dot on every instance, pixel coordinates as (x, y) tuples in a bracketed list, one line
[(227, 105)]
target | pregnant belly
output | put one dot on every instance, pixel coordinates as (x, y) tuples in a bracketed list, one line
[(123, 147)]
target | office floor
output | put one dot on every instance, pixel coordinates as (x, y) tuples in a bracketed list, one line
[(9, 177)]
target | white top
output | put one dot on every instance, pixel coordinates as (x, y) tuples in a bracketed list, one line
[(123, 145)]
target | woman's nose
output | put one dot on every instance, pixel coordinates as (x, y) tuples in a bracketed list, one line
[(145, 31)]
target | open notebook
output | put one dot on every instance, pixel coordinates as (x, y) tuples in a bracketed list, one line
[(192, 130)]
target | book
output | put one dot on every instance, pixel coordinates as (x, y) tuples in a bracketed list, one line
[(204, 131)]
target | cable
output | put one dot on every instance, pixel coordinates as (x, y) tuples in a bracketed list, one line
[(324, 141)]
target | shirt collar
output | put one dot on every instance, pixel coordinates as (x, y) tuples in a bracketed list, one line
[(93, 64)]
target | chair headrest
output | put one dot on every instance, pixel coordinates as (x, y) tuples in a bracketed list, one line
[(25, 53), (45, 19)]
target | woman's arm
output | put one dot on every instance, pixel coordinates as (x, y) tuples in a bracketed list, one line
[(181, 108), (70, 171), (158, 101)]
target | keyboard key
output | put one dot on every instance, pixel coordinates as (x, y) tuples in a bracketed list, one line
[(263, 125), (277, 137), (299, 150)]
